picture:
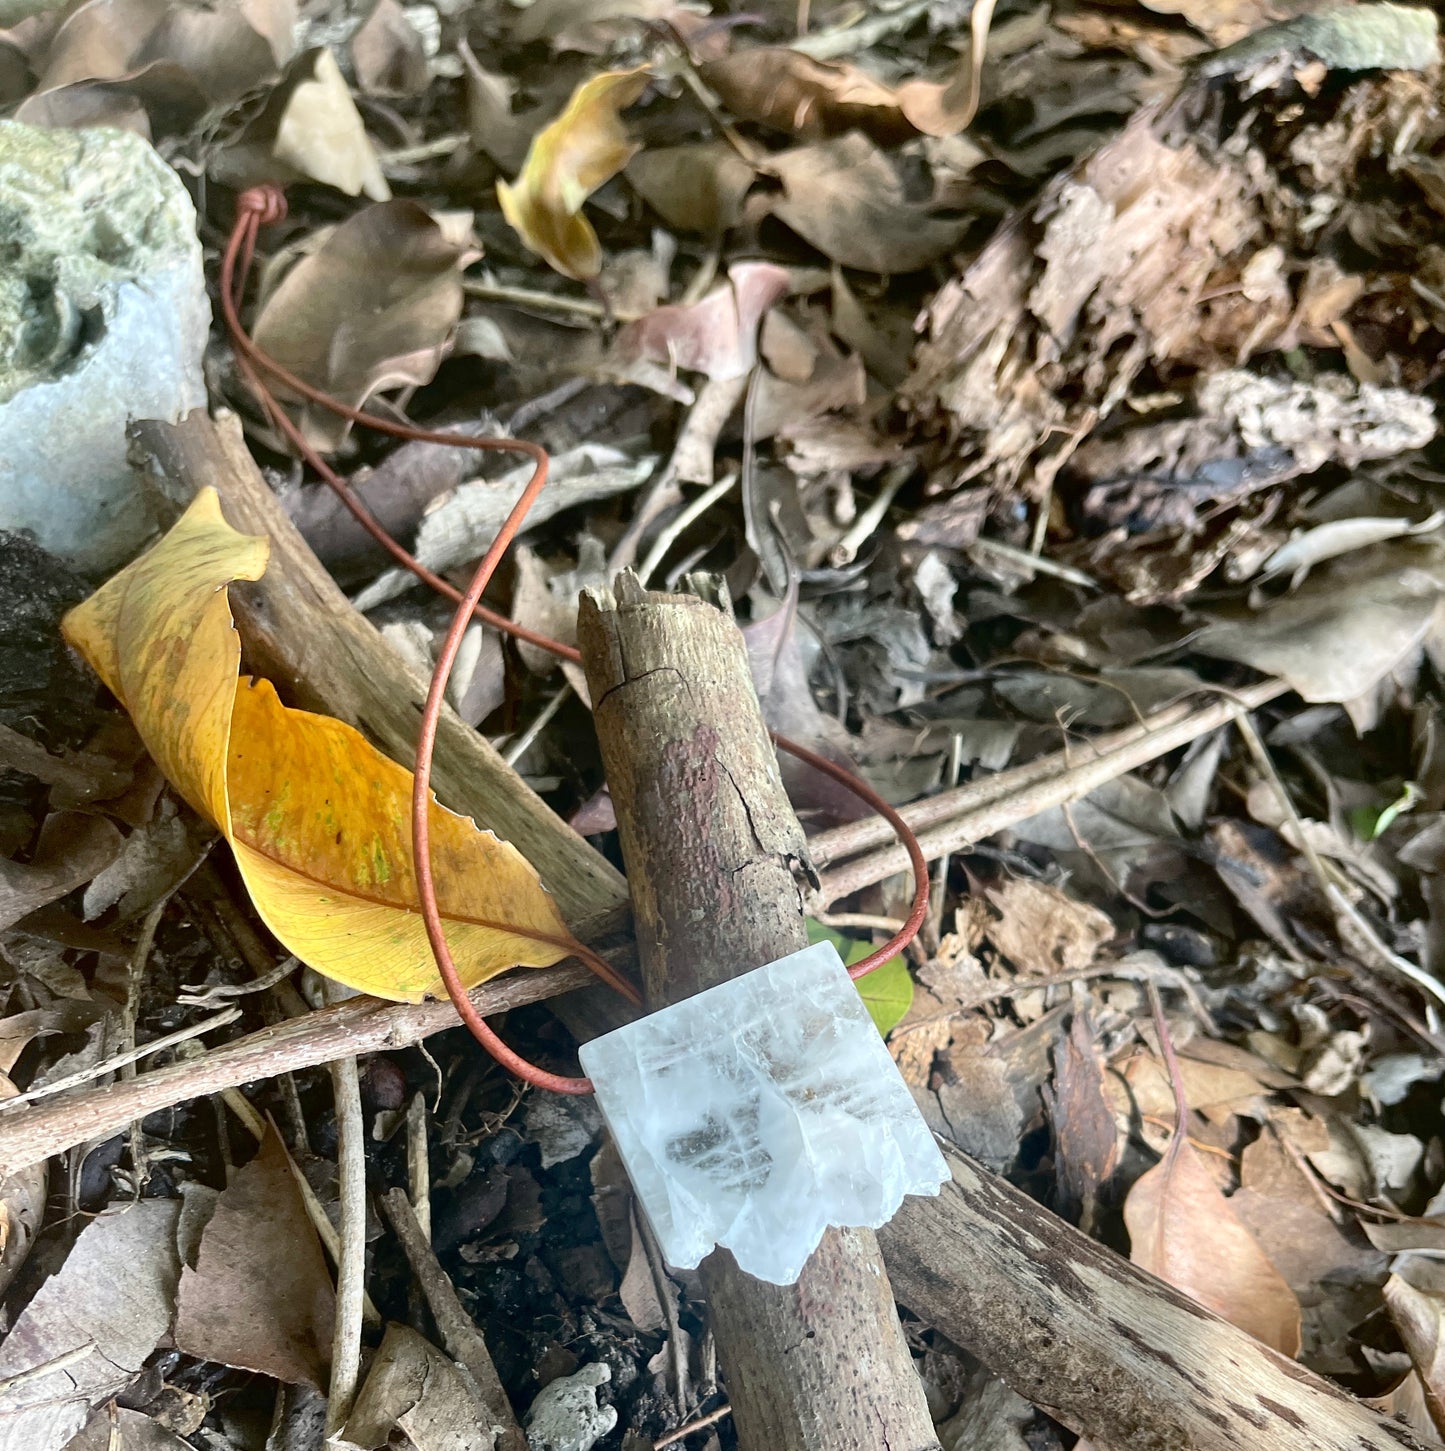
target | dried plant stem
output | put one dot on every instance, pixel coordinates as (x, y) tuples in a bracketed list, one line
[(528, 297), (418, 1163), (359, 1025), (957, 819), (463, 1341), (667, 537), (122, 1060), (701, 1424), (1355, 931), (351, 1264)]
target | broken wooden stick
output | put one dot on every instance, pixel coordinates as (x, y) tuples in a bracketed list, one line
[(711, 846), (1123, 1358), (302, 632)]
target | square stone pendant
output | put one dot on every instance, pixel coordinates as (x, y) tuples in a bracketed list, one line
[(756, 1114)]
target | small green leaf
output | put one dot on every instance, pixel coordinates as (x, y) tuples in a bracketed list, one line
[(887, 991), (1369, 823)]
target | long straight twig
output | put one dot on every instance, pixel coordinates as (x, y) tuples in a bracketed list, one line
[(953, 820), (351, 1264), (459, 1333), (1010, 797)]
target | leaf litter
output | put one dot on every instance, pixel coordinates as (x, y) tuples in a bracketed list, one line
[(1109, 398)]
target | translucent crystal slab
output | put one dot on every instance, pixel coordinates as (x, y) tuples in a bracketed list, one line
[(759, 1112)]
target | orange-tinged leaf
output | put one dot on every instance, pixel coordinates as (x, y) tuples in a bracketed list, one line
[(568, 160), (1183, 1229), (318, 819)]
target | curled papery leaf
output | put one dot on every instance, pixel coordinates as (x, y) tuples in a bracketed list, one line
[(1183, 1229), (568, 160), (318, 819)]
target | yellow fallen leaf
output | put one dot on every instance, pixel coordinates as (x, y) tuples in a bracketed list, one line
[(568, 160), (320, 822)]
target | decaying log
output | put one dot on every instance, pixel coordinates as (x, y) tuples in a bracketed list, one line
[(302, 633), (712, 847), (1127, 1360)]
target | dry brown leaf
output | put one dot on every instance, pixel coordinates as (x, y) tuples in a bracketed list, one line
[(836, 382), (309, 130), (113, 1296), (694, 188), (717, 335), (1213, 1090), (408, 268), (816, 99), (158, 63), (1086, 1146), (388, 54), (416, 1395), (493, 129), (846, 199), (72, 849), (260, 1296), (1420, 1319), (1043, 931), (1183, 1229), (567, 161)]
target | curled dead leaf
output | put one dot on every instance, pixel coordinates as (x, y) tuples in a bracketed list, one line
[(694, 188), (308, 130), (319, 821), (408, 267), (846, 198), (1183, 1229), (567, 161), (815, 99), (717, 335)]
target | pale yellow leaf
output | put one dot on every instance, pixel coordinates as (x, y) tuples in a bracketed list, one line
[(568, 160)]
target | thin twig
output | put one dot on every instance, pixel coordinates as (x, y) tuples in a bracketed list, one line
[(1033, 563), (859, 921), (667, 537), (198, 995), (135, 977), (35, 1372), (122, 1060), (519, 748), (359, 1025), (1164, 730), (1042, 790), (1354, 930), (541, 301), (351, 1267), (667, 1301), (701, 1424), (458, 1331), (418, 1163)]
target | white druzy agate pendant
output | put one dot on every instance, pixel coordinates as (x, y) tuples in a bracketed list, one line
[(760, 1112)]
